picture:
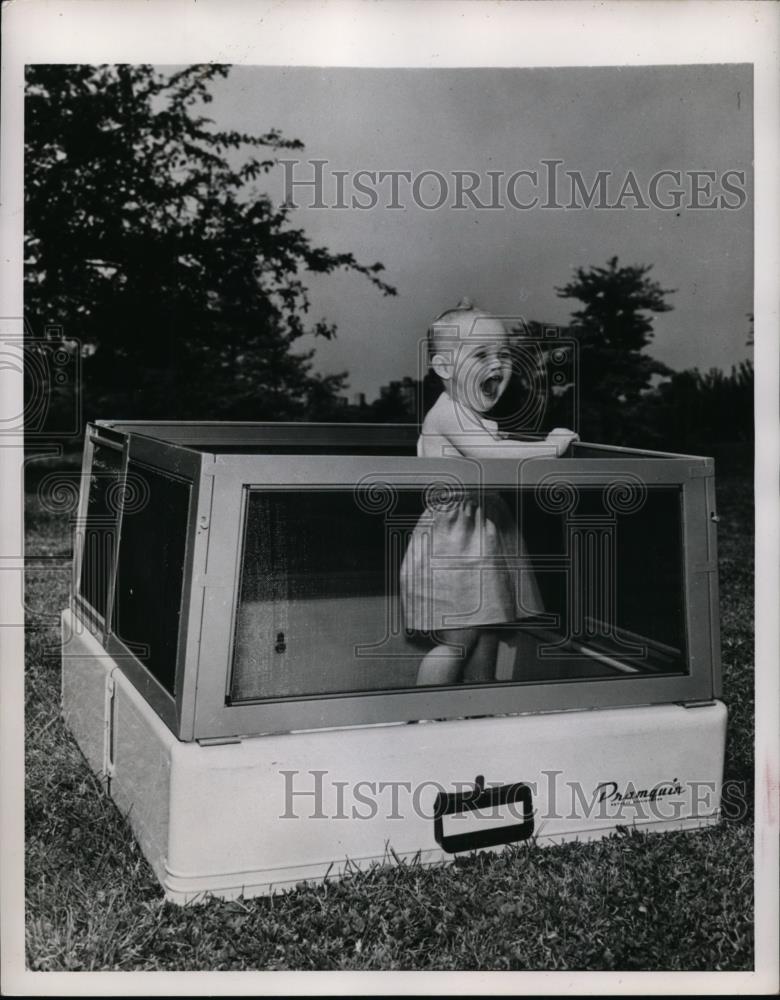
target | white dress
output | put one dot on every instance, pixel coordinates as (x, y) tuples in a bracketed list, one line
[(461, 567)]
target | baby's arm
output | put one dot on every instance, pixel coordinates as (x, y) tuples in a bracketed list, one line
[(552, 447), (561, 437), (479, 442)]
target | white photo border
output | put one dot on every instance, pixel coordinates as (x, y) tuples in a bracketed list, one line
[(388, 33)]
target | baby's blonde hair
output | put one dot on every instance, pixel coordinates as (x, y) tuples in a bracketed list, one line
[(447, 325)]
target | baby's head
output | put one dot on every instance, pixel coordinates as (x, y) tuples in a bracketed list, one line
[(469, 351)]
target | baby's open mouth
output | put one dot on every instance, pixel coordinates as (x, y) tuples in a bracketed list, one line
[(490, 385)]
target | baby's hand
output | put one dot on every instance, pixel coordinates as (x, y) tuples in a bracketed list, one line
[(561, 437)]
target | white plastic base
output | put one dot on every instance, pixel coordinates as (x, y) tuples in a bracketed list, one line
[(252, 817)]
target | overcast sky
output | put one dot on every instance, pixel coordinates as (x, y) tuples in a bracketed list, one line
[(639, 119)]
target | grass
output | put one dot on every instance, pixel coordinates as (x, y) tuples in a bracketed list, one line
[(676, 901)]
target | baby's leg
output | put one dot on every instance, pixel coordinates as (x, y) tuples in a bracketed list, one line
[(444, 664), (482, 662)]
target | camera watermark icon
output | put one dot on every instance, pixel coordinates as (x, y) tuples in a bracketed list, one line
[(522, 375), (93, 505), (50, 368)]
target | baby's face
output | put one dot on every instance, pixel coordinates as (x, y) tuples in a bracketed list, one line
[(483, 365)]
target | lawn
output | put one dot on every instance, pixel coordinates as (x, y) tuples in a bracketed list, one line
[(680, 901)]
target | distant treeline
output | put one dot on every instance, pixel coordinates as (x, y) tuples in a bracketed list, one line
[(690, 411), (698, 409)]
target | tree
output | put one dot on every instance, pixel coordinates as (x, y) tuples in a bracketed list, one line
[(613, 330), (151, 247), (398, 402), (702, 412)]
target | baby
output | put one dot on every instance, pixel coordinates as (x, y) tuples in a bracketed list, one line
[(455, 578)]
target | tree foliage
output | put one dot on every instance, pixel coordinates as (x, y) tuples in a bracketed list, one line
[(149, 243), (613, 329), (701, 411)]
